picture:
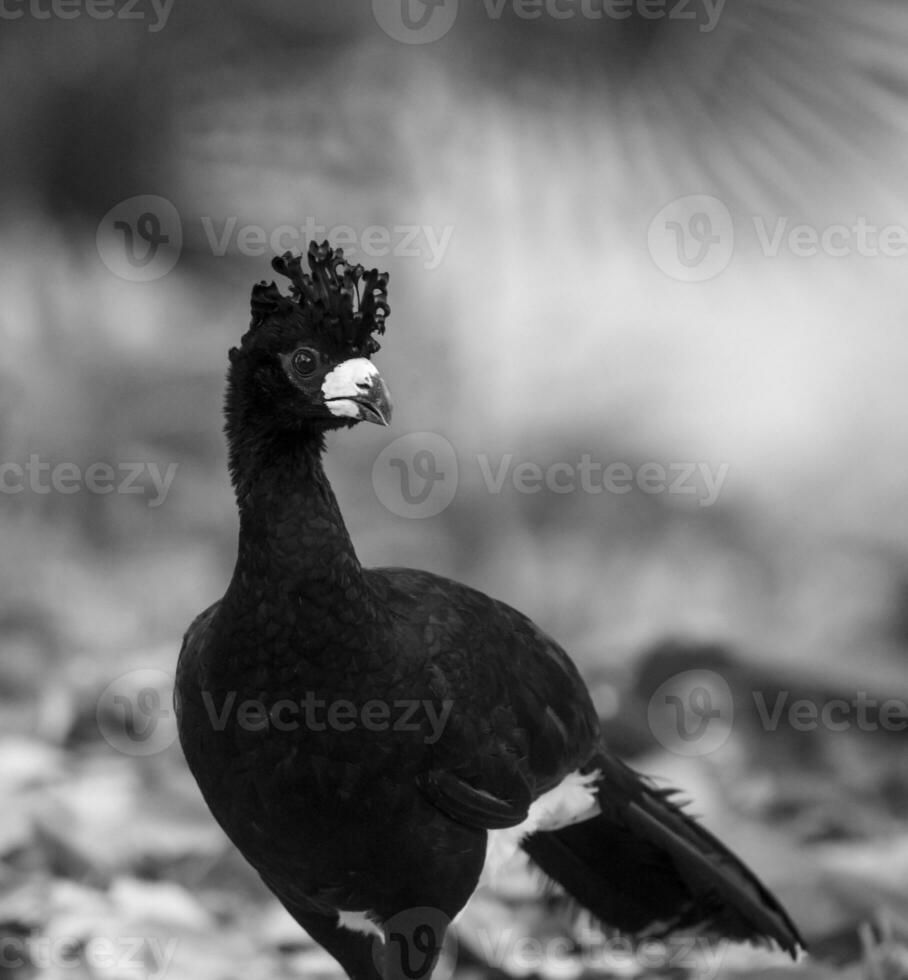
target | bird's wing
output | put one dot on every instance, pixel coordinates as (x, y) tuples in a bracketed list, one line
[(518, 717), (645, 865)]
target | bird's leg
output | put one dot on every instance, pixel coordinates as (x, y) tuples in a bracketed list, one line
[(413, 943)]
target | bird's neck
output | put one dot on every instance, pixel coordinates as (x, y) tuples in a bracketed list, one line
[(292, 535)]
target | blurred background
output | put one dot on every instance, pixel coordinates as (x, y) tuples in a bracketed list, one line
[(666, 237)]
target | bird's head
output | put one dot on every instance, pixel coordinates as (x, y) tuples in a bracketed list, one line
[(303, 366)]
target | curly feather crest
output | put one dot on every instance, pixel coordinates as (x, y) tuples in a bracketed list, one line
[(345, 301)]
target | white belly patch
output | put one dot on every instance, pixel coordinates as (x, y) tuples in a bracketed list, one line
[(359, 922), (571, 801)]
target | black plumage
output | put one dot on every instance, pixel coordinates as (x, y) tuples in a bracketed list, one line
[(358, 732)]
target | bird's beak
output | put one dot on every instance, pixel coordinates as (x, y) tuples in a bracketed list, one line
[(355, 390)]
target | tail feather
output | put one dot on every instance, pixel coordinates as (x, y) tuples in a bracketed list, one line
[(646, 867)]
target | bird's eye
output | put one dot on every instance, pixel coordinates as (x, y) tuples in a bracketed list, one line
[(304, 362)]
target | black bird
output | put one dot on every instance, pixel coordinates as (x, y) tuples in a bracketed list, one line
[(367, 737)]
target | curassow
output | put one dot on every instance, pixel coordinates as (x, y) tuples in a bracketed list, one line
[(368, 737)]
